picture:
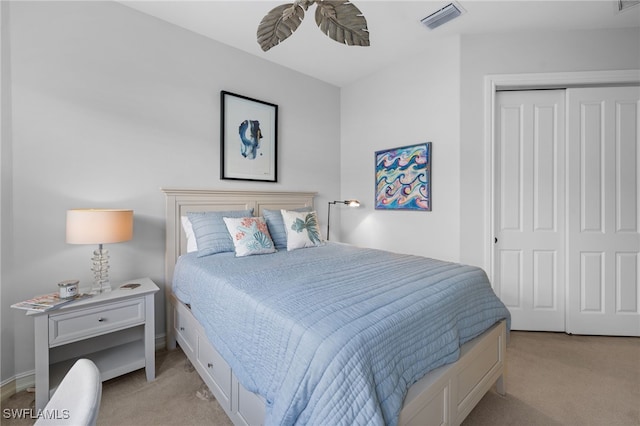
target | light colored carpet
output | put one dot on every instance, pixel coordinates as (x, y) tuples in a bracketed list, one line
[(558, 379), (552, 379)]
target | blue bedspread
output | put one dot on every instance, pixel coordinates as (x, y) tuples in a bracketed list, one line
[(335, 335)]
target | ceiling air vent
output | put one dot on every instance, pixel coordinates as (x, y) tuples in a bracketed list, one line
[(442, 16)]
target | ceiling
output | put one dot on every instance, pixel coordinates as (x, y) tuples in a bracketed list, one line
[(394, 27)]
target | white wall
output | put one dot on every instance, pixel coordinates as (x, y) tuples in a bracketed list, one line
[(437, 95), (511, 54), (108, 105), (414, 101)]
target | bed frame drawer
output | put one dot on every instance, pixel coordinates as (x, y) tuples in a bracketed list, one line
[(185, 328), (216, 370)]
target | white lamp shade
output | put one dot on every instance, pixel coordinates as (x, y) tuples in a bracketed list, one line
[(99, 226)]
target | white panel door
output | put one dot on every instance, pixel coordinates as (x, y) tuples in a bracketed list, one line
[(529, 195), (603, 211)]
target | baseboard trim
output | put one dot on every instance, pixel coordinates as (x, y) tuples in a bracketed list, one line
[(7, 390), (161, 342), (17, 384)]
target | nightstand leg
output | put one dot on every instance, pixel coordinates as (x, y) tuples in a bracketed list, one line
[(149, 339), (41, 324)]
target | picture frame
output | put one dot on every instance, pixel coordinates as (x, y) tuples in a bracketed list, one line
[(403, 178), (248, 138)]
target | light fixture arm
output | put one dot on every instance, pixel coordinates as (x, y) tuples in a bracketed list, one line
[(350, 203)]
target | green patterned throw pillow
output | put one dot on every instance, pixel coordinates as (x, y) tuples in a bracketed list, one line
[(302, 229)]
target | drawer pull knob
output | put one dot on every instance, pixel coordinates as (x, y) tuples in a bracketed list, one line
[(181, 328), (209, 365), (101, 319)]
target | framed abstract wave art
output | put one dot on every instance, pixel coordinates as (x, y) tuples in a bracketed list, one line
[(403, 178)]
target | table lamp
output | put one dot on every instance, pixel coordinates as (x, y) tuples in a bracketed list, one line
[(99, 226)]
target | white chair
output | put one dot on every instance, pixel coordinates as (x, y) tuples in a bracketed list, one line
[(77, 399)]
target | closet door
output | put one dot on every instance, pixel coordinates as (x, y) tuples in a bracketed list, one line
[(603, 211), (529, 176)]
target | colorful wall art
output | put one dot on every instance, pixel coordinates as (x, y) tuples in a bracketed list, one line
[(403, 178)]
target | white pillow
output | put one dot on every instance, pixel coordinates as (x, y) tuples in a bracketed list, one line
[(302, 229), (250, 235), (192, 244)]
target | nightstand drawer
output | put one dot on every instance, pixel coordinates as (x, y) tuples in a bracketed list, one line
[(90, 322)]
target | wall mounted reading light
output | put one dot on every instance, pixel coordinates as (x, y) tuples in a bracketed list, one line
[(350, 203)]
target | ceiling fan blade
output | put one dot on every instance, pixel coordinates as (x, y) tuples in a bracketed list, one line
[(343, 22), (279, 24)]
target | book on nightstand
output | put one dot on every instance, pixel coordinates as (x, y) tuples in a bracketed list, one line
[(47, 302)]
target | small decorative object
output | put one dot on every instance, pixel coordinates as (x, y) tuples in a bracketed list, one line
[(68, 288), (130, 286), (341, 20), (350, 203), (47, 302), (248, 138), (403, 178), (99, 226)]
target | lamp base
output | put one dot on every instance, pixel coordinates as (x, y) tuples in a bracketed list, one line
[(99, 288), (100, 270)]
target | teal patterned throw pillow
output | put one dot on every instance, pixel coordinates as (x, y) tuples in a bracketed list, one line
[(250, 235), (302, 229), (276, 225)]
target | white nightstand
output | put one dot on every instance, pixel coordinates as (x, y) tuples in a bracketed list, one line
[(115, 330)]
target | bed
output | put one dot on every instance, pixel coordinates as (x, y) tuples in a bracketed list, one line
[(307, 359)]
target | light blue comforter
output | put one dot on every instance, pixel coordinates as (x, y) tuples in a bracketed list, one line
[(335, 335)]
